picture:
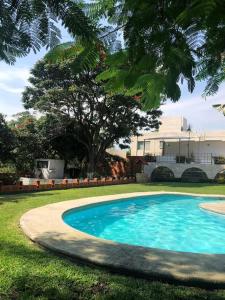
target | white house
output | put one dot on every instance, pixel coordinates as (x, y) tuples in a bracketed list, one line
[(179, 152)]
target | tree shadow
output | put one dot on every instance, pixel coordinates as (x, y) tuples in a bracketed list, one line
[(17, 197), (181, 185), (166, 266), (90, 283)]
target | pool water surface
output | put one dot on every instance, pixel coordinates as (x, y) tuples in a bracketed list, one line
[(166, 221)]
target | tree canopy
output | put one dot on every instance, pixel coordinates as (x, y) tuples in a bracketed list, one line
[(29, 142), (29, 25), (6, 141), (96, 119), (166, 43)]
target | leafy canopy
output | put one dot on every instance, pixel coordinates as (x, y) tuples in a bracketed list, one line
[(166, 43), (31, 24), (29, 142), (40, 138), (95, 118), (6, 141)]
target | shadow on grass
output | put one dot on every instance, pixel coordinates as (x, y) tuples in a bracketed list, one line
[(181, 185), (189, 269), (17, 197), (65, 280)]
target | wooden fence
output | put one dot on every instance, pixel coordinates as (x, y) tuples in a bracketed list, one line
[(65, 184)]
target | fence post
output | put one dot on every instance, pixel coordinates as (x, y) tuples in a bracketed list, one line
[(65, 181), (21, 185), (38, 184)]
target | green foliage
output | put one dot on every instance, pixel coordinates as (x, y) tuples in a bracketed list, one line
[(175, 41), (220, 178), (216, 77), (8, 174), (79, 103), (29, 25), (64, 51), (30, 142), (7, 141), (43, 137), (8, 178)]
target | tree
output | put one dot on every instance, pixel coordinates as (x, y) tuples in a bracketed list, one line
[(96, 119), (61, 139), (29, 25), (7, 141), (166, 42), (41, 137), (29, 142)]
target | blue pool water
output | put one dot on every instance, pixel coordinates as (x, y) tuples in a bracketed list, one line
[(172, 222)]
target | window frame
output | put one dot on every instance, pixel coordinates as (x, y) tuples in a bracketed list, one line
[(41, 163), (145, 148), (140, 143), (161, 145)]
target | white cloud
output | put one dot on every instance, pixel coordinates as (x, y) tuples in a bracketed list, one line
[(13, 79), (8, 88), (9, 73)]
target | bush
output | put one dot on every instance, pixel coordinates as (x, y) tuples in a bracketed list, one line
[(219, 160), (220, 178), (8, 175), (9, 178)]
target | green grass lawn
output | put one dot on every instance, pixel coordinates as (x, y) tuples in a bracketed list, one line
[(28, 272)]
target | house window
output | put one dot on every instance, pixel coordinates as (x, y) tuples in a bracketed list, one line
[(161, 144), (140, 145), (147, 146), (42, 164)]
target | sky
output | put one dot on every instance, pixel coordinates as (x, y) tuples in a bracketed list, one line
[(198, 110)]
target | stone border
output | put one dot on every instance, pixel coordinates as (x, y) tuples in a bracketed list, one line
[(45, 226), (218, 208)]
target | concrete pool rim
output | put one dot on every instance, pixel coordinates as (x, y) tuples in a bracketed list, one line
[(45, 226)]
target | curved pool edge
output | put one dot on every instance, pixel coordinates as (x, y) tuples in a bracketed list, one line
[(45, 226), (214, 207)]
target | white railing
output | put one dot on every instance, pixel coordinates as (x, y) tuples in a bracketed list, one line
[(198, 158)]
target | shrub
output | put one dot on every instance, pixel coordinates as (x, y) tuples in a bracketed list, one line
[(8, 174), (219, 160), (220, 178)]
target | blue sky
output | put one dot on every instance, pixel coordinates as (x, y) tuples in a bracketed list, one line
[(199, 112)]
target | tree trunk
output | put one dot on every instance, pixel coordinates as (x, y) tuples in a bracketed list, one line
[(91, 165)]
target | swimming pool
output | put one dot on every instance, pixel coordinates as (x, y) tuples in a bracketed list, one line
[(165, 221)]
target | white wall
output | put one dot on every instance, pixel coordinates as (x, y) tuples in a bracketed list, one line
[(172, 124), (55, 169), (154, 147), (178, 169), (170, 131), (206, 147)]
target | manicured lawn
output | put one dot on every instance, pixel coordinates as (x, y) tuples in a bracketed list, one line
[(28, 272)]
